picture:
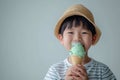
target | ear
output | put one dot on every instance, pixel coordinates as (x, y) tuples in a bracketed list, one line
[(60, 38), (93, 39)]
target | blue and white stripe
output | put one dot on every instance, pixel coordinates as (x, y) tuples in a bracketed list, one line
[(95, 71)]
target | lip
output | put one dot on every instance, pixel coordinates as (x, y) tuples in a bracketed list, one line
[(77, 42)]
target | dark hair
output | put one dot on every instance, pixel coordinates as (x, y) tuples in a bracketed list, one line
[(76, 21)]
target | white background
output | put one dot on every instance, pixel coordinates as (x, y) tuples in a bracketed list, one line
[(28, 46)]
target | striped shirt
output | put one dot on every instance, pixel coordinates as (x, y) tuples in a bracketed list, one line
[(95, 70)]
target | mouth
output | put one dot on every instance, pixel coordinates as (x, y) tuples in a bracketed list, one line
[(74, 43), (83, 46), (78, 43)]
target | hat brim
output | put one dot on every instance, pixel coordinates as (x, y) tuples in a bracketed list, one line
[(58, 25)]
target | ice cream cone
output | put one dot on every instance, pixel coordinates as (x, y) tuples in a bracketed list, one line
[(75, 59), (77, 53)]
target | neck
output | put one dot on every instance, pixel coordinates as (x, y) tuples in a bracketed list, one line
[(86, 59)]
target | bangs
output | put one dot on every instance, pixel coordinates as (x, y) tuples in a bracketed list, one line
[(75, 21)]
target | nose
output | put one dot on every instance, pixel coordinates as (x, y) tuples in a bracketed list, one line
[(77, 38)]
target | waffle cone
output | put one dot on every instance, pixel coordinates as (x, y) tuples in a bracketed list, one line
[(75, 59)]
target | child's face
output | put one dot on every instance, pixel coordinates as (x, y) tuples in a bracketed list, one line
[(76, 34)]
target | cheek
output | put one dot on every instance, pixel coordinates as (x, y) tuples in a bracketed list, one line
[(87, 43), (67, 43)]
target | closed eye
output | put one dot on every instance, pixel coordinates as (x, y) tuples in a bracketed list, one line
[(70, 32), (84, 32)]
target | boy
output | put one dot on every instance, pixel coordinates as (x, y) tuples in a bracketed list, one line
[(77, 25)]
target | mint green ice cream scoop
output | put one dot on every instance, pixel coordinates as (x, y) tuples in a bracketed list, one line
[(77, 49)]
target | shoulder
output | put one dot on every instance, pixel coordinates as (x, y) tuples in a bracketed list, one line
[(99, 64), (93, 64), (59, 66), (56, 71), (103, 69)]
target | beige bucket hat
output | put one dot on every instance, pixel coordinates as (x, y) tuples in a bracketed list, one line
[(81, 10)]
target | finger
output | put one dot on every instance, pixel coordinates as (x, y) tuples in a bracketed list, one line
[(80, 76), (69, 78), (70, 72), (79, 71), (77, 78), (83, 73), (81, 66), (82, 70), (75, 71)]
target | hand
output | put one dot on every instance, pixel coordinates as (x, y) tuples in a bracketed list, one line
[(76, 72)]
